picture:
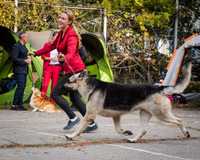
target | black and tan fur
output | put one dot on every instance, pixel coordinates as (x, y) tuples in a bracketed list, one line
[(114, 100)]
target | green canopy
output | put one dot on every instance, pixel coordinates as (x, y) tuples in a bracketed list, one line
[(93, 44)]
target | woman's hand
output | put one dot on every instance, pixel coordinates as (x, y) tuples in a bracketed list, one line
[(61, 57), (47, 58), (28, 60)]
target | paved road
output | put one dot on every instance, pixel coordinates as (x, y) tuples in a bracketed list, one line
[(39, 136)]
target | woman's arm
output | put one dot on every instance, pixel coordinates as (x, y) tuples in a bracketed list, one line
[(46, 57), (45, 49), (49, 46)]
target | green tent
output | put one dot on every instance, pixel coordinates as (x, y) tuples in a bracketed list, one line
[(96, 47), (93, 43), (7, 39)]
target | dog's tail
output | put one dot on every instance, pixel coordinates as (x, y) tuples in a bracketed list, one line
[(34, 77), (180, 87)]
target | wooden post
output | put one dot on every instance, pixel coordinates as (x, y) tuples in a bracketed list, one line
[(105, 25), (16, 16)]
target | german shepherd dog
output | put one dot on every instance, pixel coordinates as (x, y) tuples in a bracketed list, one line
[(114, 100)]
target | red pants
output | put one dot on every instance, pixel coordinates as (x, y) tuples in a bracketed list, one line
[(50, 72)]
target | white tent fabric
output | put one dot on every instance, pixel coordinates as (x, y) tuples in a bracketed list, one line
[(177, 59), (37, 39)]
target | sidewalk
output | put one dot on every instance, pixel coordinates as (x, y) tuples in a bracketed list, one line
[(33, 130)]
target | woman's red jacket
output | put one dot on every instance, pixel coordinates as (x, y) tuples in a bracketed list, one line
[(66, 44)]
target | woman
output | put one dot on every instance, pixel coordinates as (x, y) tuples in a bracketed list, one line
[(50, 71), (67, 44)]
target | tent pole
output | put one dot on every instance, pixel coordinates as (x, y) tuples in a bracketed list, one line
[(176, 26)]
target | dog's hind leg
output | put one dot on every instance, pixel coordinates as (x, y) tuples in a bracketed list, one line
[(168, 117), (116, 120), (144, 120), (183, 129)]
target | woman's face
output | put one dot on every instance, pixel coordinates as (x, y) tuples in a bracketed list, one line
[(63, 21)]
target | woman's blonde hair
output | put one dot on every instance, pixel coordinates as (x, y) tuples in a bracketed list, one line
[(70, 15), (71, 18)]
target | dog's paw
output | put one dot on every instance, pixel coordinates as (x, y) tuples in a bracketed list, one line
[(132, 140), (187, 134), (127, 133), (35, 110), (68, 137)]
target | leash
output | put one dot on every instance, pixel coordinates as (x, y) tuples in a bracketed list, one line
[(34, 75), (74, 74)]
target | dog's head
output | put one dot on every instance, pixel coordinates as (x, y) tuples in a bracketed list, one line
[(77, 80), (36, 91)]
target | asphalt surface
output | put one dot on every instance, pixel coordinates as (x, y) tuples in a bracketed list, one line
[(39, 136)]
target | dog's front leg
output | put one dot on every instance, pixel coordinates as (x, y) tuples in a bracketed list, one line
[(35, 109), (83, 124), (144, 120), (118, 128)]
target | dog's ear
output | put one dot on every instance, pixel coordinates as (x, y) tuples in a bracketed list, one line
[(84, 74), (78, 76), (73, 78)]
